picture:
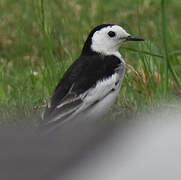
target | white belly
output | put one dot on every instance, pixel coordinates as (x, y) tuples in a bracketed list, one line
[(100, 108), (100, 98)]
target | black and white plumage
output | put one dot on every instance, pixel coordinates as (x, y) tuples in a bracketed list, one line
[(91, 83)]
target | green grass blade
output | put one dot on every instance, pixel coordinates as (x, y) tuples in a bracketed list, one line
[(164, 42)]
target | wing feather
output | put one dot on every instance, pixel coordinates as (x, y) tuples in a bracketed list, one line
[(63, 112)]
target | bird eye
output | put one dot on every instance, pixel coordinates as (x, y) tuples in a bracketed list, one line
[(111, 33)]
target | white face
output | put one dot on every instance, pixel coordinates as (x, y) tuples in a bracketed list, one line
[(108, 40)]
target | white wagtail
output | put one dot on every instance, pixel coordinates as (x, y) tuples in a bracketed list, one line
[(91, 83)]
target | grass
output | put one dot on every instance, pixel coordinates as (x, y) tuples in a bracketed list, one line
[(39, 39)]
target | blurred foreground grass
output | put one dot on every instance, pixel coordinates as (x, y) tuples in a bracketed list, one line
[(39, 39)]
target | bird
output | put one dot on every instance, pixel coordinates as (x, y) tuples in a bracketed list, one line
[(90, 85)]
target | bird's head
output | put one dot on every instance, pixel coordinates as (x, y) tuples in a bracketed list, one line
[(106, 39)]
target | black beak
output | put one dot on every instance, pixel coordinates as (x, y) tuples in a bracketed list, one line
[(132, 38)]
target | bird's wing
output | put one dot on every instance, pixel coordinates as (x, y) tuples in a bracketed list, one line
[(65, 109), (82, 85), (64, 99)]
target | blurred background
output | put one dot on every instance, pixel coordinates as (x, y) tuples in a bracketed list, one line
[(146, 148), (39, 39)]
